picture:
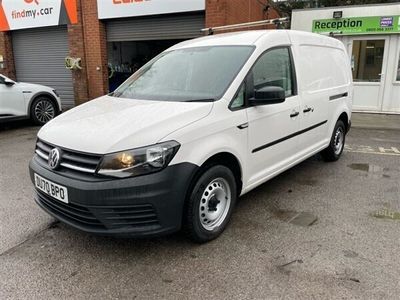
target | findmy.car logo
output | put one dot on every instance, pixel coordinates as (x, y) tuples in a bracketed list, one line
[(32, 13)]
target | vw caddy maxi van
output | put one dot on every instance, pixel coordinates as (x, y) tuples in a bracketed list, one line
[(198, 126)]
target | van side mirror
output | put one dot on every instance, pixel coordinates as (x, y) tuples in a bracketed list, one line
[(268, 95)]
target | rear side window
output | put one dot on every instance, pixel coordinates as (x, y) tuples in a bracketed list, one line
[(274, 68)]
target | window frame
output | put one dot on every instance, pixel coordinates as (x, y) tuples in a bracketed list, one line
[(244, 82), (386, 46), (397, 68), (249, 86)]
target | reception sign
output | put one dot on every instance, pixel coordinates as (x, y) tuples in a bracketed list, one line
[(20, 14), (108, 9), (358, 25)]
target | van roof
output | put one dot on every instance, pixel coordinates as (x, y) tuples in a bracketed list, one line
[(251, 37)]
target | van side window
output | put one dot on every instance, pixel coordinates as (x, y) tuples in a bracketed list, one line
[(238, 101), (274, 68)]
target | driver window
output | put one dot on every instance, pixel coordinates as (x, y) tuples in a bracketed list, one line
[(2, 80), (274, 68)]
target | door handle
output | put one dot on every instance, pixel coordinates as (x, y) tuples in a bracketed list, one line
[(294, 114), (308, 109), (243, 126)]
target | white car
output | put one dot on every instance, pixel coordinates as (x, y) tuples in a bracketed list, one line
[(20, 100), (203, 123)]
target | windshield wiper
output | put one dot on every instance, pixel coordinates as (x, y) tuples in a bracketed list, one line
[(115, 94), (118, 95), (200, 100)]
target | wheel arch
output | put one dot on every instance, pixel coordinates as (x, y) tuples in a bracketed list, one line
[(345, 119), (226, 159), (43, 94)]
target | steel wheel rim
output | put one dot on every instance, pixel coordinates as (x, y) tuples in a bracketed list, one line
[(44, 111), (339, 141), (214, 204)]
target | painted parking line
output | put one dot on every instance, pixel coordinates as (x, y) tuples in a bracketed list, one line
[(377, 150)]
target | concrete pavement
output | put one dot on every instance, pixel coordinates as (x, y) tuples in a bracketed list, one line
[(376, 121)]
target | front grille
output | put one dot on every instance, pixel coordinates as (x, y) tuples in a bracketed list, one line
[(70, 160), (102, 217)]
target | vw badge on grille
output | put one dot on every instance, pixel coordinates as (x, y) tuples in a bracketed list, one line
[(54, 158)]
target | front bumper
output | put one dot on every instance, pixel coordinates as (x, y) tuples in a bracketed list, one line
[(147, 205)]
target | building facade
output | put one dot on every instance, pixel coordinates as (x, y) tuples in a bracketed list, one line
[(371, 34), (104, 41)]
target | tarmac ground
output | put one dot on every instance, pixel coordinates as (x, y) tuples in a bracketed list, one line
[(319, 230)]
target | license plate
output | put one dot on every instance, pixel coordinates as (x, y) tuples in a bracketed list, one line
[(52, 189)]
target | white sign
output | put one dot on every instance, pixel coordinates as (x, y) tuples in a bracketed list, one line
[(19, 14), (108, 9)]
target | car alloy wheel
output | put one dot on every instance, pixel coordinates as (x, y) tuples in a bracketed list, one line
[(44, 111)]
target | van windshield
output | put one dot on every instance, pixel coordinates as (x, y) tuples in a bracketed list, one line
[(191, 74)]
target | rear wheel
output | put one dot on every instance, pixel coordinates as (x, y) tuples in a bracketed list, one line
[(210, 205), (43, 110), (336, 146)]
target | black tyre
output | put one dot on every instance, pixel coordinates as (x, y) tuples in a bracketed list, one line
[(43, 110), (210, 204), (336, 146)]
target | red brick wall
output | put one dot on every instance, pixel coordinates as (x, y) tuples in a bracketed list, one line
[(77, 49), (7, 52), (226, 12), (95, 49)]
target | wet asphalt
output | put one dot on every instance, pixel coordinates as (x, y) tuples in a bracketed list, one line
[(319, 230)]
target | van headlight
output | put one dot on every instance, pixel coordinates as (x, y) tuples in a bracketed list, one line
[(138, 161)]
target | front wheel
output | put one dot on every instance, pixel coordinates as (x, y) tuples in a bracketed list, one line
[(336, 145), (43, 110), (210, 205)]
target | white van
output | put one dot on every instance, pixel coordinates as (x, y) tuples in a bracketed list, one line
[(198, 126)]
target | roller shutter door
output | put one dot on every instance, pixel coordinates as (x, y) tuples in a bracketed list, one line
[(161, 27), (39, 56)]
